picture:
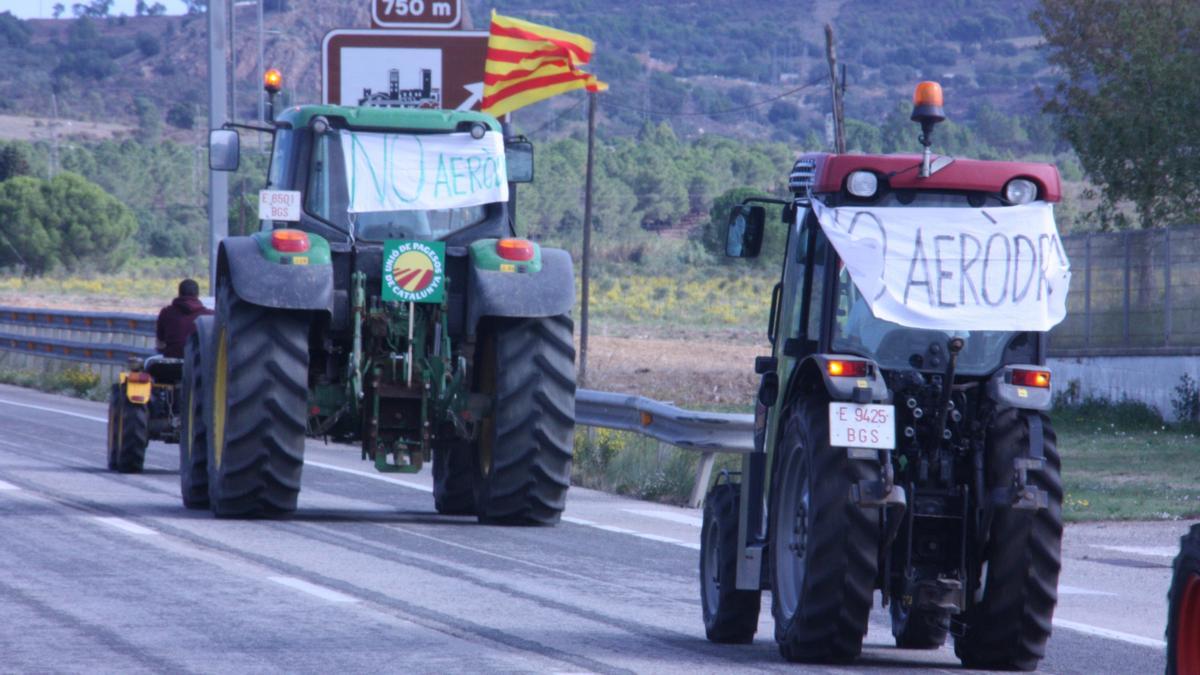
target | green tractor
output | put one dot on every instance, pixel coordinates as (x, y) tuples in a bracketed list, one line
[(384, 301), (902, 441)]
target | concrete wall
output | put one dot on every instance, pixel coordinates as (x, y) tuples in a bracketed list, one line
[(1149, 379)]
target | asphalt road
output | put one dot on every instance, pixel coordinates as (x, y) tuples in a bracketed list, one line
[(109, 573)]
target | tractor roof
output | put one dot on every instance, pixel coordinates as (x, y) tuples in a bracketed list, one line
[(375, 118), (828, 173)]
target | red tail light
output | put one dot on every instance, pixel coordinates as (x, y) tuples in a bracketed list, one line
[(838, 368), (1031, 378), (140, 378), (519, 250), (289, 241)]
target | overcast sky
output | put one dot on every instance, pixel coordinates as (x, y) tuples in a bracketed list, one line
[(44, 9)]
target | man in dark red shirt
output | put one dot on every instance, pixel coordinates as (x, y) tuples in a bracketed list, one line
[(177, 320)]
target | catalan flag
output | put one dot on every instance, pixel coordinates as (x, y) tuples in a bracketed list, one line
[(527, 63)]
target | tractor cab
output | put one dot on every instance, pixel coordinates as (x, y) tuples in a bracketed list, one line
[(900, 428)]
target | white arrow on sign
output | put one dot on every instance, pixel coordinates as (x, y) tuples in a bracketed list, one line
[(476, 91)]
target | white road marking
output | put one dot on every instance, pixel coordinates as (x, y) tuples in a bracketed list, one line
[(312, 589), (1110, 634), (6, 487), (1156, 551), (1064, 589), (632, 533), (56, 410), (373, 476), (669, 516), (124, 525)]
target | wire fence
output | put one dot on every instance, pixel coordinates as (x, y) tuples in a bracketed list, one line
[(1132, 293)]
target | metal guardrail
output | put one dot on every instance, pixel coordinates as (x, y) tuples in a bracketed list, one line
[(704, 432), (88, 352), (96, 322)]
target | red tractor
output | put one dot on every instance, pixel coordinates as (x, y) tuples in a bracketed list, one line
[(902, 437)]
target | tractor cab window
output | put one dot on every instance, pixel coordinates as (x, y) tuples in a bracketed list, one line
[(374, 185), (896, 347)]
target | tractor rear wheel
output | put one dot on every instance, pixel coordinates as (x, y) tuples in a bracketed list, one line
[(527, 368), (730, 615), (257, 405), (193, 436), (1183, 619), (915, 628), (454, 479), (823, 547), (128, 432), (1008, 624)]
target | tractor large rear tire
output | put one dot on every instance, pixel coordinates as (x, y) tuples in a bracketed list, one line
[(823, 547), (1009, 623), (454, 474), (128, 432), (730, 615), (527, 367), (193, 434), (257, 408), (1183, 619)]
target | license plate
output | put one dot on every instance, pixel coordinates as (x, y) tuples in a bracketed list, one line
[(855, 425)]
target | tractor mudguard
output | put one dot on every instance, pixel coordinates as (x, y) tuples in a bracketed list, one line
[(548, 292), (261, 281)]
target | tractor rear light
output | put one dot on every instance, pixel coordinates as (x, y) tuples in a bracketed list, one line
[(1031, 378), (838, 368), (519, 250), (140, 378), (289, 241), (1020, 191), (862, 183)]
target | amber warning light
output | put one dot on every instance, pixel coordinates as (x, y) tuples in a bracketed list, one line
[(273, 81)]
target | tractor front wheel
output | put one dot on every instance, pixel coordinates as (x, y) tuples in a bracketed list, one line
[(128, 432), (823, 547), (193, 436), (257, 407), (454, 479), (527, 368), (730, 615)]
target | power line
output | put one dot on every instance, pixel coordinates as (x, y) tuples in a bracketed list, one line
[(557, 118), (727, 111)]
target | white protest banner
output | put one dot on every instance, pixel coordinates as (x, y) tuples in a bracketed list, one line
[(417, 172), (998, 268)]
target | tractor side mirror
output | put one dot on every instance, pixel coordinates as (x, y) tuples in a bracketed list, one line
[(224, 150), (745, 235), (518, 156)]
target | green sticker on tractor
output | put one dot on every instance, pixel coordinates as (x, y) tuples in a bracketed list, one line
[(414, 271)]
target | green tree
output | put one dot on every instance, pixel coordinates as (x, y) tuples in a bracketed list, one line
[(13, 161), (1127, 103), (95, 227), (26, 240), (13, 31)]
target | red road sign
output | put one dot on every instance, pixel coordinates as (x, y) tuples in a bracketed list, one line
[(432, 68), (416, 13)]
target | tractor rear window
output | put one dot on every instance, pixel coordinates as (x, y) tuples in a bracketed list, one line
[(392, 186)]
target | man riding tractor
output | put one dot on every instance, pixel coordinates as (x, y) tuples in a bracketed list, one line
[(143, 405)]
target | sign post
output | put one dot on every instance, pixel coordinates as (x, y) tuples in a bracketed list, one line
[(416, 13), (408, 68)]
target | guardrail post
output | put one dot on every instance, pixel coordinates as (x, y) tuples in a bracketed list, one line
[(703, 475)]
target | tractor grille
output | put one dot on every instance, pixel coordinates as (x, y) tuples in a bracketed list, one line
[(801, 179)]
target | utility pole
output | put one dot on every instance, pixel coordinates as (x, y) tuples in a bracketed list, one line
[(218, 182), (262, 94), (839, 120), (587, 240)]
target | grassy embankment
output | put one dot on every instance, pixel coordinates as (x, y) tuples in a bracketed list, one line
[(1120, 461)]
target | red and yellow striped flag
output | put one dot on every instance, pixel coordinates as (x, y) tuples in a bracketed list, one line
[(527, 63)]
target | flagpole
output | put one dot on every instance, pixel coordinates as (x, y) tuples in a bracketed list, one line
[(587, 240)]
